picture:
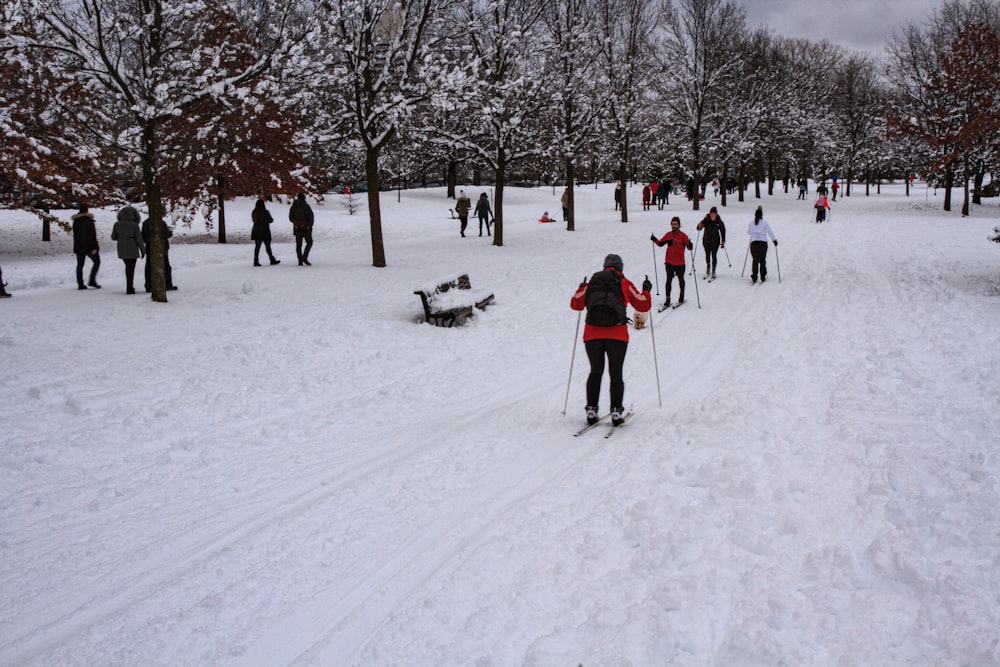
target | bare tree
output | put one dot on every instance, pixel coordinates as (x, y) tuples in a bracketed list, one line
[(149, 63), (698, 48)]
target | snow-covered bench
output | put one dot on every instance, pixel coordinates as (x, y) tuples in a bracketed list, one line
[(450, 302)]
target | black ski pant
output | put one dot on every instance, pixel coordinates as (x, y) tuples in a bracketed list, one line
[(130, 275), (615, 351), (711, 255), (300, 236), (256, 250), (95, 260), (675, 271), (758, 250)]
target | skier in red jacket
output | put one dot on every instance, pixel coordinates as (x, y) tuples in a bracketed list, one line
[(676, 242), (608, 337)]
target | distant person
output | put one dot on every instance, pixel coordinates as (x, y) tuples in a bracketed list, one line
[(663, 194), (85, 245), (260, 233), (462, 206), (713, 238), (822, 205), (646, 197), (821, 189), (618, 196), (834, 187), (677, 242), (301, 217), (606, 333), (483, 212), (564, 200), (759, 231), (130, 245), (165, 233), (803, 186)]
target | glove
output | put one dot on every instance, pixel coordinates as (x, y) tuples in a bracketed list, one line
[(690, 245), (775, 241), (652, 237), (646, 285)]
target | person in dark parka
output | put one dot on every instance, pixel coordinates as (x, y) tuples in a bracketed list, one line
[(85, 245), (130, 245), (260, 234), (301, 217), (713, 238)]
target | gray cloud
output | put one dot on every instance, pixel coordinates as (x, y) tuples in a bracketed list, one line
[(856, 24)]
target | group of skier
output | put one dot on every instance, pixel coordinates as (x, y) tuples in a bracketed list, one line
[(608, 292)]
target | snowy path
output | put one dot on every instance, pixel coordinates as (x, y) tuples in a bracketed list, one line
[(272, 471)]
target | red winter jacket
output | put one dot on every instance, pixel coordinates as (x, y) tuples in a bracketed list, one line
[(675, 252), (641, 301)]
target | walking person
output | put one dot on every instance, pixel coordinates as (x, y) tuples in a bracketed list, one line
[(713, 238), (822, 205), (301, 217), (130, 245), (834, 187), (260, 233), (759, 232), (462, 206), (85, 245), (663, 193), (803, 185), (677, 242), (483, 212), (605, 335), (564, 200), (618, 196), (646, 194), (165, 233)]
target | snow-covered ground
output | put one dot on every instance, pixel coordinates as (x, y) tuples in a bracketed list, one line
[(283, 466)]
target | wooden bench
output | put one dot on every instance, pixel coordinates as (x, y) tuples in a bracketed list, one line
[(450, 302)]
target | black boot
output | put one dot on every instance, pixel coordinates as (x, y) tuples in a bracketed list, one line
[(275, 261)]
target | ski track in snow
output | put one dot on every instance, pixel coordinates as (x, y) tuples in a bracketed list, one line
[(819, 487)]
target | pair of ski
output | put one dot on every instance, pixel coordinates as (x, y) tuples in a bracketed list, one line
[(671, 306), (612, 429)]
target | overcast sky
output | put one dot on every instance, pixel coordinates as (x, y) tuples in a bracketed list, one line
[(863, 25)]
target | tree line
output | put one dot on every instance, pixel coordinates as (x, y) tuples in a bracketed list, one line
[(187, 103)]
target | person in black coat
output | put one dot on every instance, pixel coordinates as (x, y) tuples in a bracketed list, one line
[(260, 234), (85, 245), (165, 233), (301, 217), (713, 238)]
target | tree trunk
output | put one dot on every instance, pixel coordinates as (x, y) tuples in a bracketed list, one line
[(949, 180), (965, 185), (724, 181), (570, 180), (501, 178), (154, 201), (452, 177), (374, 210), (221, 182), (622, 175), (978, 184)]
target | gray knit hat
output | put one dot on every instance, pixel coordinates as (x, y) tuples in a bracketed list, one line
[(615, 261)]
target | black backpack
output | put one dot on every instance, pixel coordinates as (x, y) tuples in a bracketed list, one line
[(605, 305)]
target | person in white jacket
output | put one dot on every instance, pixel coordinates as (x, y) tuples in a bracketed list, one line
[(759, 232)]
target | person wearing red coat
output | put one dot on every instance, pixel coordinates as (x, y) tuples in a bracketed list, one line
[(676, 242), (609, 342)]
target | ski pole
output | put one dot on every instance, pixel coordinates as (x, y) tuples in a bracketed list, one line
[(569, 381), (694, 272), (656, 274), (745, 261), (656, 364), (696, 241), (727, 257), (777, 262)]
